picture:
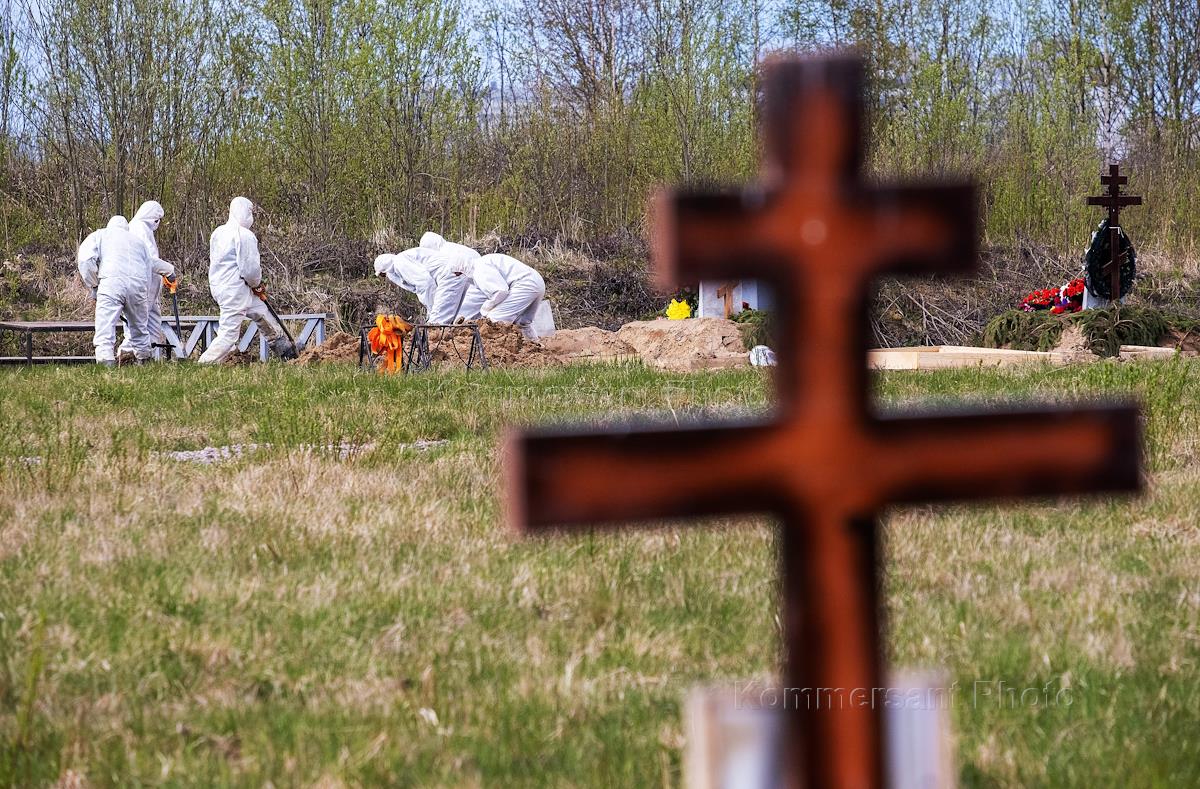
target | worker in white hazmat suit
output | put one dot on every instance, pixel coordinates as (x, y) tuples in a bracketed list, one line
[(504, 290), (235, 280), (448, 249), (454, 279), (438, 281), (143, 225), (114, 264)]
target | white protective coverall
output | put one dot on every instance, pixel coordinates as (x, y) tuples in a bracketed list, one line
[(233, 269), (114, 264), (437, 281), (506, 291), (143, 225), (453, 279)]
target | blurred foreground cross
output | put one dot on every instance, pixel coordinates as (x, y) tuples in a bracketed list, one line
[(825, 465)]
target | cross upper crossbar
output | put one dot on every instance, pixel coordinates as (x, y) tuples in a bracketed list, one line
[(824, 464), (1113, 200)]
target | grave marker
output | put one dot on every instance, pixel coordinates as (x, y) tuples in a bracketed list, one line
[(825, 465), (1114, 201), (724, 299)]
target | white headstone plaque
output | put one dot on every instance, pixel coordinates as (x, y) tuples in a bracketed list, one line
[(746, 294), (734, 733)]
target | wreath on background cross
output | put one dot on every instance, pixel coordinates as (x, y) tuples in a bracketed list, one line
[(1097, 258)]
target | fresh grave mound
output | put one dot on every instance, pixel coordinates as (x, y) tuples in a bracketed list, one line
[(1103, 331), (503, 346), (683, 346), (237, 358), (589, 344), (338, 348)]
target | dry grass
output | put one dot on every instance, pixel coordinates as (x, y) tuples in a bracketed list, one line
[(296, 618)]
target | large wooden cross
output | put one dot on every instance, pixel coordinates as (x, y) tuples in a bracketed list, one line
[(1114, 201), (825, 464)]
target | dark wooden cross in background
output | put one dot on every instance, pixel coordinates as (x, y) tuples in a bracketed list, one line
[(825, 465), (1114, 201)]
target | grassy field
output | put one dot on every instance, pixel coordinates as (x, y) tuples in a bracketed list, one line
[(340, 606)]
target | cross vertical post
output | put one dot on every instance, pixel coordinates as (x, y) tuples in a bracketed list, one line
[(824, 464)]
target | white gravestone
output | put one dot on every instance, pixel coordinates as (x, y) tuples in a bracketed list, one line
[(734, 734)]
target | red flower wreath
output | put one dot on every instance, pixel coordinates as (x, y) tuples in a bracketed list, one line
[(1068, 298)]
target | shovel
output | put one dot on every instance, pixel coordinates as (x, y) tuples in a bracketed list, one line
[(172, 286), (261, 292)]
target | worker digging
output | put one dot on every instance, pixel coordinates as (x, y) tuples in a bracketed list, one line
[(235, 280)]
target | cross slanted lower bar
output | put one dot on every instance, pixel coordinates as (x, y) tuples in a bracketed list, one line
[(825, 465), (1114, 201)]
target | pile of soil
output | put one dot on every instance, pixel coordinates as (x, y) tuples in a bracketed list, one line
[(237, 358), (1074, 344), (338, 348), (684, 346), (589, 344), (503, 344), (1186, 342)]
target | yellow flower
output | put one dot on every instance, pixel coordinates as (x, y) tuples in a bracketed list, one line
[(678, 310)]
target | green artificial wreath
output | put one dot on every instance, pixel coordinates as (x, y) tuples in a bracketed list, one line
[(1097, 258)]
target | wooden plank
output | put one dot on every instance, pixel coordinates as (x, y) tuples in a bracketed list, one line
[(77, 325), (48, 326), (309, 327), (194, 338), (1146, 352), (298, 316), (948, 356), (173, 339), (246, 339), (47, 360)]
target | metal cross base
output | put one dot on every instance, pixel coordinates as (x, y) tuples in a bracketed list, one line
[(418, 357)]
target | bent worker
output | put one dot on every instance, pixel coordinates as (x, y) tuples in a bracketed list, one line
[(143, 225), (235, 281), (454, 278), (438, 281), (505, 290), (448, 249), (114, 264)]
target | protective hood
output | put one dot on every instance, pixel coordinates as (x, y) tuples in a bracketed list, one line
[(150, 212), (241, 212), (382, 264), (432, 241), (119, 221)]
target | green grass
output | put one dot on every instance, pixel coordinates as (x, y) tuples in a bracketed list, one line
[(297, 618)]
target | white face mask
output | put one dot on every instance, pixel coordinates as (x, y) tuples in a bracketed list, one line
[(154, 225)]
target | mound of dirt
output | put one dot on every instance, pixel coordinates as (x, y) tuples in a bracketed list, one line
[(683, 346), (1074, 345), (589, 344), (1186, 342), (338, 348), (237, 358), (503, 344)]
